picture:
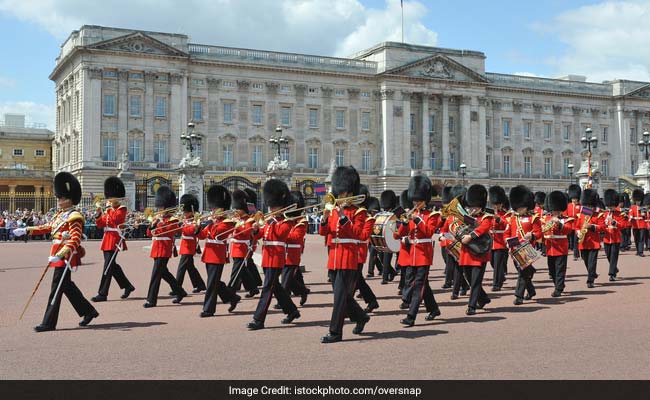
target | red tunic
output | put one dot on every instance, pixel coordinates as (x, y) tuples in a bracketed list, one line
[(163, 242), (240, 244), (365, 238), (215, 248), (556, 239), (520, 225), (572, 211), (592, 238), (344, 249), (189, 237), (67, 223), (419, 235), (274, 247), (613, 230), (499, 225), (110, 221), (296, 242), (445, 229), (467, 258), (637, 218)]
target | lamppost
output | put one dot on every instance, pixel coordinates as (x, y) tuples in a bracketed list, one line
[(587, 141), (191, 139), (644, 145), (463, 171), (570, 168), (278, 141)]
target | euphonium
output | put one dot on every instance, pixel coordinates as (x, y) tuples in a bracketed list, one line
[(465, 224)]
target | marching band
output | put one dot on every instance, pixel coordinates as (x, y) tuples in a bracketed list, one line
[(356, 228)]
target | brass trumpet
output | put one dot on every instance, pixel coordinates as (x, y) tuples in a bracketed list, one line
[(99, 200), (259, 220)]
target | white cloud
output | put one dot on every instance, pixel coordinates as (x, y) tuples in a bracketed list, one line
[(309, 26), (34, 112), (605, 41)]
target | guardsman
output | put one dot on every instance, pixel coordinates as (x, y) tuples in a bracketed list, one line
[(540, 199), (449, 268), (388, 202), (374, 256), (589, 226), (189, 243), (573, 210), (637, 221), (461, 281), (215, 251), (345, 222), (274, 246), (364, 290), (66, 229), (162, 232), (525, 226), (250, 263), (295, 248), (113, 241), (614, 223), (556, 230), (624, 207), (419, 230), (499, 256), (241, 245)]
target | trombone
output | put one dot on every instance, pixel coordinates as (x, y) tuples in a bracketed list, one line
[(259, 220), (330, 202), (107, 202)]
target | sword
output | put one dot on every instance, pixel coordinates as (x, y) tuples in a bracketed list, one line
[(67, 267)]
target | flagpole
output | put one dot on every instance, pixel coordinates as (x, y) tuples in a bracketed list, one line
[(402, 6)]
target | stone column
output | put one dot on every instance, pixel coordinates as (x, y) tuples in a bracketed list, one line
[(426, 141), (91, 111), (405, 142), (388, 135), (148, 114), (516, 139), (622, 157), (497, 136), (122, 111), (465, 146), (482, 138), (353, 125), (177, 114), (444, 101), (210, 150), (242, 122), (299, 158), (638, 115)]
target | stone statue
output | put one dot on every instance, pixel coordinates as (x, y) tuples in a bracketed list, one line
[(331, 171), (125, 164), (277, 164)]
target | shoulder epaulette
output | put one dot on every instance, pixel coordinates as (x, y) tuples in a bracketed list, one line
[(75, 216), (359, 210)]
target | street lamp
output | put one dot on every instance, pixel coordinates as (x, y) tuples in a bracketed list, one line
[(463, 171), (587, 142), (191, 139), (570, 168), (278, 141), (644, 145)]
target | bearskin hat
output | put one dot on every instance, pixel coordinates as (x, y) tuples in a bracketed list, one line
[(276, 193), (388, 200), (419, 188), (574, 191), (218, 197), (373, 205), (165, 197), (521, 196), (239, 201), (446, 194), (114, 188), (363, 189), (252, 196), (68, 187), (404, 200), (626, 200), (456, 191), (556, 201), (476, 196), (298, 199), (189, 202), (589, 198), (646, 200), (345, 179), (497, 195), (540, 197), (611, 198), (637, 195)]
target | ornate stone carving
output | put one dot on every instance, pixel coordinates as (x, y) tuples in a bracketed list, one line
[(95, 73), (138, 46), (149, 76), (398, 111), (576, 110), (123, 74), (538, 107), (483, 101), (517, 106), (595, 111), (300, 89), (406, 95), (176, 78), (387, 94), (557, 109), (125, 164), (271, 87), (353, 93), (243, 84), (437, 69), (496, 104), (213, 83), (376, 94), (326, 91), (645, 94)]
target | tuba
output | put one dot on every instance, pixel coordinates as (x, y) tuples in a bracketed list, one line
[(465, 224)]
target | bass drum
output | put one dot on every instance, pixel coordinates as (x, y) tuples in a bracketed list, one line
[(382, 237)]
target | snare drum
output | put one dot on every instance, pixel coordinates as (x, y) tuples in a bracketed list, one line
[(382, 237), (524, 255)]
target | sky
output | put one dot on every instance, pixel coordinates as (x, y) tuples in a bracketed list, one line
[(602, 40)]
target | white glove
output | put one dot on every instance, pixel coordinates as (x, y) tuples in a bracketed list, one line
[(20, 232), (53, 259)]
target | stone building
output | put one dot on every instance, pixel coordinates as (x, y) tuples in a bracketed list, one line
[(389, 110)]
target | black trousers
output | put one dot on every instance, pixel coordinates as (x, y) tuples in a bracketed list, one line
[(420, 290), (557, 269), (159, 272), (590, 258), (344, 303), (291, 281), (270, 288), (71, 291), (387, 269), (639, 240), (525, 282), (366, 292), (476, 295), (573, 244), (448, 273), (216, 288), (625, 234), (499, 261), (374, 261), (611, 251), (253, 271), (112, 271), (186, 264), (460, 278), (409, 278), (402, 277), (241, 274)]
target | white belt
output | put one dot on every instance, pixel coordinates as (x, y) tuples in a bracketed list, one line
[(345, 241), (214, 241), (364, 241), (272, 243), (293, 246), (161, 238), (241, 241), (637, 217), (498, 231), (555, 237), (111, 230), (188, 237), (57, 241), (418, 241)]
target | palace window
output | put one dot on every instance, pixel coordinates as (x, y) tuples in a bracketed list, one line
[(506, 128), (339, 92), (633, 136), (605, 134), (285, 88), (365, 121), (547, 130), (432, 160), (488, 159), (258, 86), (313, 90), (136, 75), (228, 84), (18, 152), (160, 151), (452, 161), (110, 74), (135, 149), (528, 126), (365, 160), (340, 156), (548, 166), (312, 157), (313, 117), (284, 154), (109, 104), (256, 156), (566, 132), (412, 123), (604, 167), (365, 94), (197, 110), (108, 149), (340, 119), (257, 114), (227, 155), (413, 160), (285, 116), (432, 123), (451, 124), (227, 113), (506, 165), (161, 107), (528, 165), (39, 153), (135, 106), (487, 128), (565, 166)]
